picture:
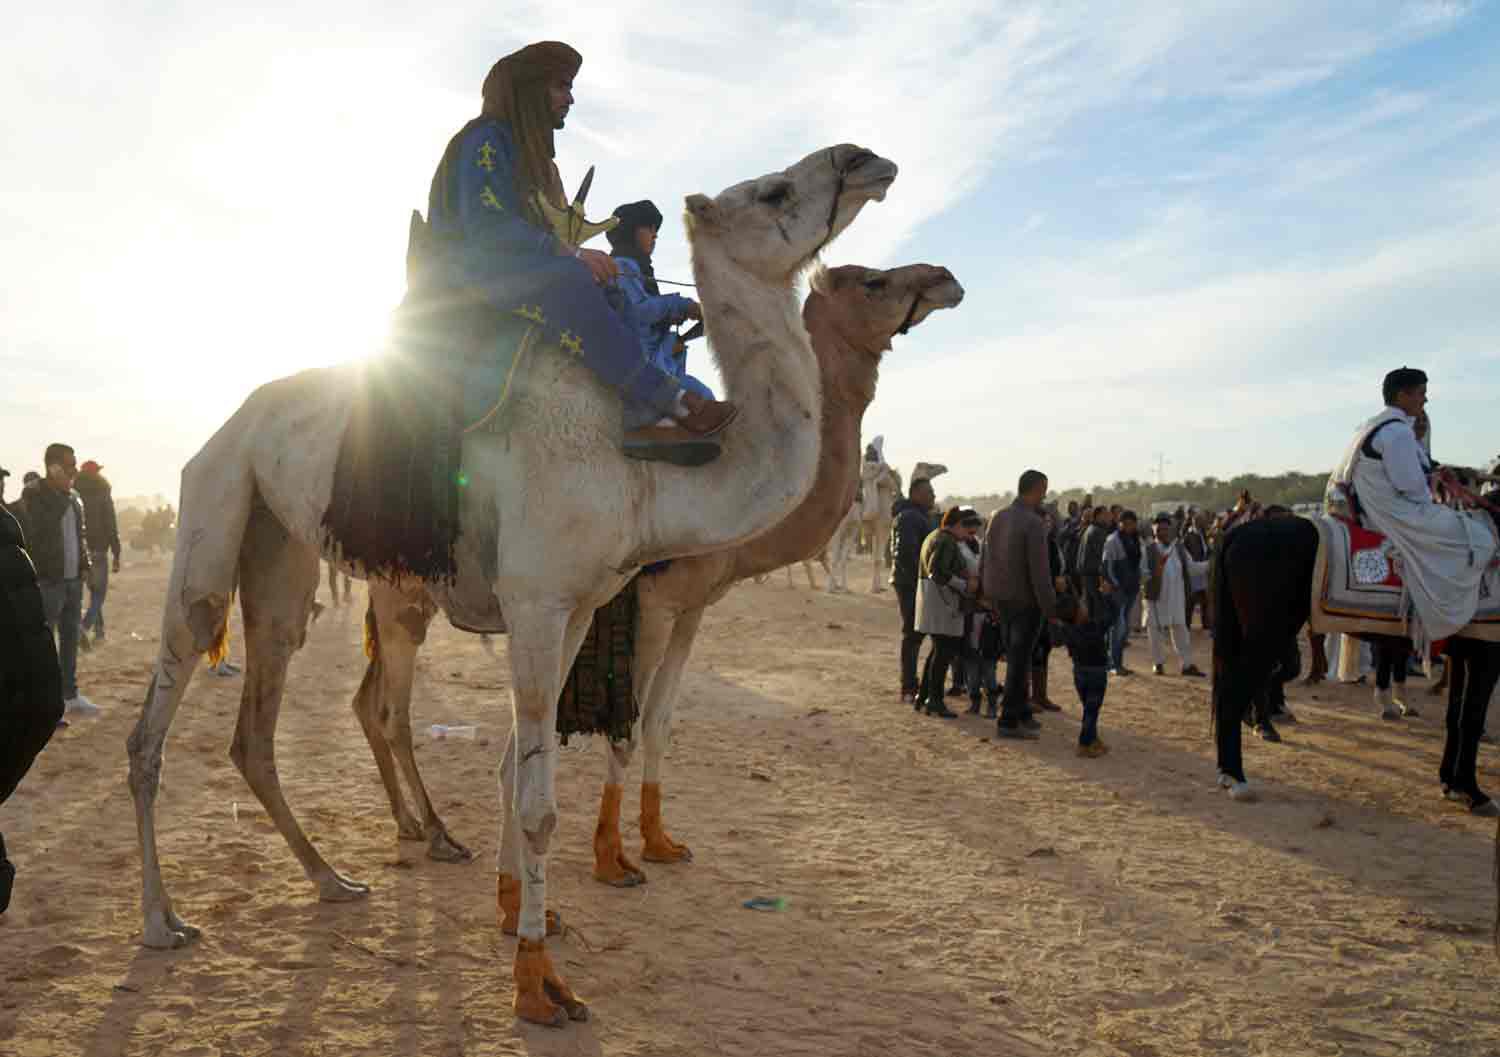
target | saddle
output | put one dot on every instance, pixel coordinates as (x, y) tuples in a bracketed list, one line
[(1357, 587)]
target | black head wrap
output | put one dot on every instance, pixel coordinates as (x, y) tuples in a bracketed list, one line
[(634, 216), (1400, 380)]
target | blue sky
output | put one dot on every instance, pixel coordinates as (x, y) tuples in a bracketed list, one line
[(1204, 230)]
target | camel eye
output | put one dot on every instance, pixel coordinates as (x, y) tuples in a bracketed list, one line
[(876, 285), (776, 195)]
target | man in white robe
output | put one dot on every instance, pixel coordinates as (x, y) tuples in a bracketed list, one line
[(1166, 569), (1442, 553)]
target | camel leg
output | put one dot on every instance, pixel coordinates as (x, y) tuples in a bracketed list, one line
[(544, 640), (879, 544), (653, 633), (401, 622), (812, 581), (278, 579), (656, 725), (217, 493), (367, 703)]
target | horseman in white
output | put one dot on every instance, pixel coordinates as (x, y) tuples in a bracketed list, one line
[(1385, 477)]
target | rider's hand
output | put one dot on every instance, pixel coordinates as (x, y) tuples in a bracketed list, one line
[(600, 265), (694, 310)]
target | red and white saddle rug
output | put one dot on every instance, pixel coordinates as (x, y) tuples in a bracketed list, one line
[(1357, 590)]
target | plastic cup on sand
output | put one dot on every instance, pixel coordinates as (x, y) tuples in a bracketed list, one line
[(445, 730)]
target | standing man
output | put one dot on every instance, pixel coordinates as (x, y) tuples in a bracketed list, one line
[(1017, 577), (1091, 552), (31, 704), (1122, 569), (1165, 568), (59, 550), (1195, 542), (907, 536), (103, 538)]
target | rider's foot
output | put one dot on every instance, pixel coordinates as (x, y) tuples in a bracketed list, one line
[(668, 442), (705, 417)]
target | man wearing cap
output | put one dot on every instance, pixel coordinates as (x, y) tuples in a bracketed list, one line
[(498, 265), (103, 539)]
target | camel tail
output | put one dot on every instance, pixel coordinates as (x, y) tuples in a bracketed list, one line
[(218, 650), (372, 635)]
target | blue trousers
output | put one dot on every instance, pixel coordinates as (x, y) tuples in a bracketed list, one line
[(62, 605), (1090, 682), (1119, 636), (93, 619)]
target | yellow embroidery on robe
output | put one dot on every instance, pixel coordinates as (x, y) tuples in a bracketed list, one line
[(533, 313), (487, 156), (572, 342), (487, 198)]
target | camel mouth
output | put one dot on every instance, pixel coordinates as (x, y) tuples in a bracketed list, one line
[(944, 293), (868, 174)]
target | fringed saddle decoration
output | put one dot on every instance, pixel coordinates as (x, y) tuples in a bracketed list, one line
[(599, 695)]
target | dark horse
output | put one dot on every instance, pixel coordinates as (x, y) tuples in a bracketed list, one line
[(1262, 596)]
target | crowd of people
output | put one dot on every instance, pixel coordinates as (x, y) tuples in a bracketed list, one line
[(1031, 579)]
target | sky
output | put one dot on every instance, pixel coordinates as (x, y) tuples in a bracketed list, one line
[(1193, 236)]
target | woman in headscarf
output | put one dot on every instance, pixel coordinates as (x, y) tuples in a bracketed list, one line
[(631, 244)]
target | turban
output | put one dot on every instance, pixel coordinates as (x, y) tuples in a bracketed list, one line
[(516, 90), (633, 216), (1400, 380)]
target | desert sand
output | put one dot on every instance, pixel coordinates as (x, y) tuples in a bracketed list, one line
[(945, 893)]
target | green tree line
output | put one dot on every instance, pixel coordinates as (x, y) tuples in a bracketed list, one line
[(1212, 493)]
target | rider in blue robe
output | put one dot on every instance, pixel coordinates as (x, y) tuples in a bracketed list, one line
[(499, 268)]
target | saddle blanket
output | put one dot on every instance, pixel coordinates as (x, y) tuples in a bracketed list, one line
[(1357, 588)]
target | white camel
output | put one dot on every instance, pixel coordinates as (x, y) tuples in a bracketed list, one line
[(879, 487), (841, 547), (253, 500)]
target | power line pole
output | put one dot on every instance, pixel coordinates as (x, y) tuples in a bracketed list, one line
[(1161, 467)]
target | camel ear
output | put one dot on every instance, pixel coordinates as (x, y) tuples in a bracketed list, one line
[(700, 208)]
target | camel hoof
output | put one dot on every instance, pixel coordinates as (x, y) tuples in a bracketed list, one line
[(444, 848), (674, 854), (623, 879), (336, 889), (170, 935)]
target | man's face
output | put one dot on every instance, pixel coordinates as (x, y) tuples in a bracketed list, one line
[(1037, 494), (1163, 532), (645, 240), (62, 472), (1128, 526), (1412, 400), (560, 99), (923, 497)]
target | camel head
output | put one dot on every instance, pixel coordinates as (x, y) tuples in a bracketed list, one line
[(866, 307), (929, 470), (772, 227)]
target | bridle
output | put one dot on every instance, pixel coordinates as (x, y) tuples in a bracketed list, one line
[(833, 211), (911, 314)]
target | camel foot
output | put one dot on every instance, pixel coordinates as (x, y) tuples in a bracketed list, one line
[(656, 845), (337, 889), (662, 848), (508, 907), (444, 848), (169, 933), (542, 996), (618, 872)]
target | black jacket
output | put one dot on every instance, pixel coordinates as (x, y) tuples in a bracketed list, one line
[(30, 680), (912, 527), (44, 507), (99, 512), (1088, 643), (1091, 551)]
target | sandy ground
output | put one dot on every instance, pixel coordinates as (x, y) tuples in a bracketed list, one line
[(946, 894)]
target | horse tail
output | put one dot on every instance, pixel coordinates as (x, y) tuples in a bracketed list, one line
[(1228, 637)]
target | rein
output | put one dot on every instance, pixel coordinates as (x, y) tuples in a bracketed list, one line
[(911, 314), (833, 212)]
